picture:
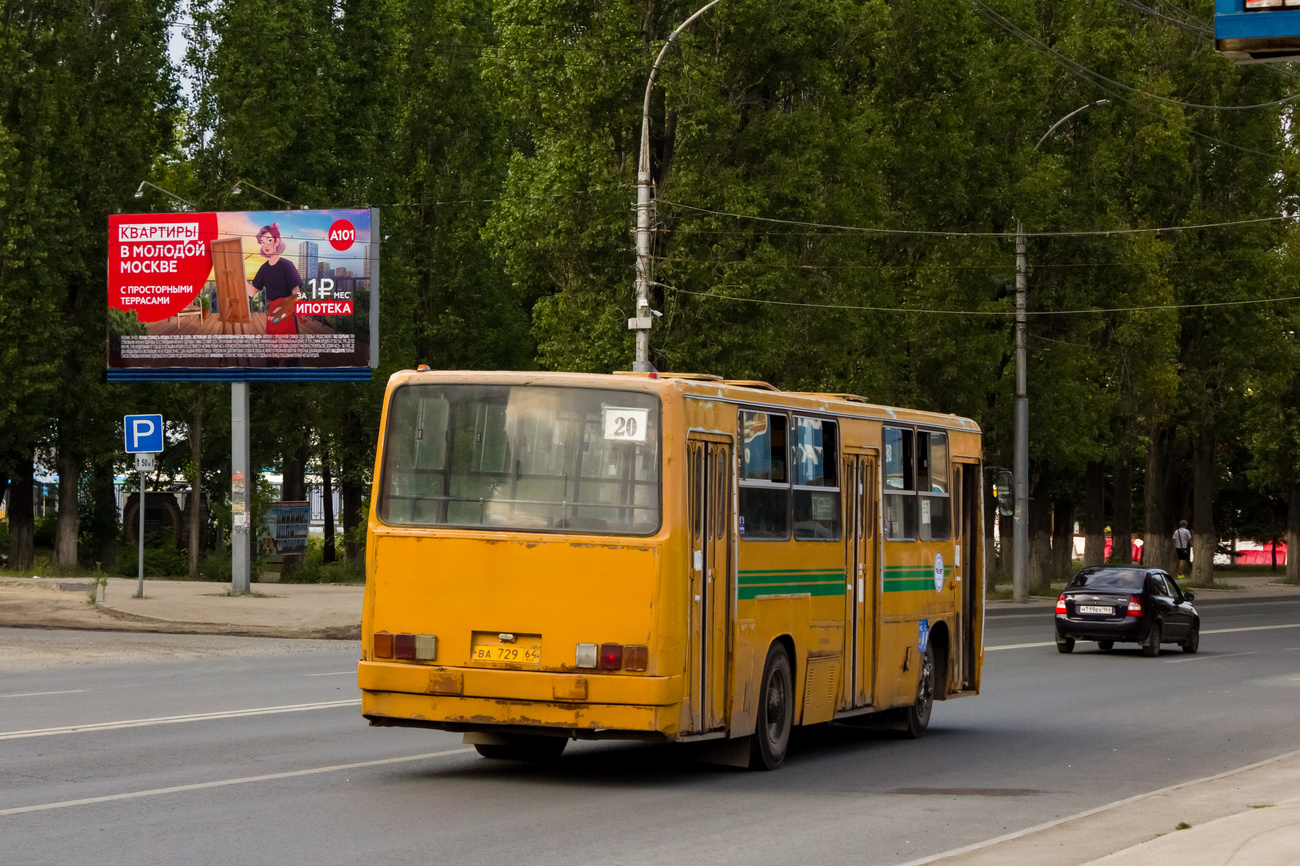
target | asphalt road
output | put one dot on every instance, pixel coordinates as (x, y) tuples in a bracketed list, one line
[(262, 757)]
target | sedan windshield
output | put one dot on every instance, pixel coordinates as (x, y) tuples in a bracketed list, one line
[(1109, 578), (521, 457)]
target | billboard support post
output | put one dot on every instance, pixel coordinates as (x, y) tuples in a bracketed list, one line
[(240, 480)]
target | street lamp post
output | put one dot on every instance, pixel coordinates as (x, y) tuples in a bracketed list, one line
[(1020, 542), (645, 214)]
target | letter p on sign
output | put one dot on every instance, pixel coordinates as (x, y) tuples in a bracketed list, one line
[(144, 434)]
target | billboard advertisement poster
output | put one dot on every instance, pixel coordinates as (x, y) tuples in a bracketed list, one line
[(243, 295)]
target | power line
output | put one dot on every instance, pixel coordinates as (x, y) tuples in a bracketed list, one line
[(991, 313), (962, 234)]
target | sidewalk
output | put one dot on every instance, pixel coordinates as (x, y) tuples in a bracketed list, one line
[(188, 607)]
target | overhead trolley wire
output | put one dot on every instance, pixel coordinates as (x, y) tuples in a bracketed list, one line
[(989, 313), (967, 234)]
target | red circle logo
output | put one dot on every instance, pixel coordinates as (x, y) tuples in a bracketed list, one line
[(342, 235)]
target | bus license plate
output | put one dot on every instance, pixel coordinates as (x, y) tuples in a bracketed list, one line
[(505, 648), (1092, 608)]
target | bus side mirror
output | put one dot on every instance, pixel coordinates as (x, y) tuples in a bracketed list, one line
[(1004, 489)]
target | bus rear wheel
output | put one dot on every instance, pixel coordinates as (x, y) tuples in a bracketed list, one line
[(524, 748), (775, 712), (918, 714)]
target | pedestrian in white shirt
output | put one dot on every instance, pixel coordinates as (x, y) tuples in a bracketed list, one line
[(1183, 547)]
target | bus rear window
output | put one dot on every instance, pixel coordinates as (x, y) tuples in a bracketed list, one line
[(519, 457)]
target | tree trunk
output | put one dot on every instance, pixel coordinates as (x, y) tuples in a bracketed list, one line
[(194, 502), (293, 488), (68, 526), (21, 513), (1121, 524), (327, 483), (1094, 529), (1040, 537), (1203, 537), (1158, 542), (1293, 535), (104, 527), (1063, 539), (352, 519)]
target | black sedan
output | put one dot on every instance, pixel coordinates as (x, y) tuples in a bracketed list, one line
[(1128, 605)]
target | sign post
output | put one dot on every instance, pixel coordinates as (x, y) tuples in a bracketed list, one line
[(144, 439)]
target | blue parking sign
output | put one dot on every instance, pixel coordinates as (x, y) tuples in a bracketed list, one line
[(144, 434)]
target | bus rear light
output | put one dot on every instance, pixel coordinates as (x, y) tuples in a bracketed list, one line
[(611, 656), (587, 654), (404, 646), (635, 657), (383, 645), (1134, 606), (426, 647), (1060, 603)]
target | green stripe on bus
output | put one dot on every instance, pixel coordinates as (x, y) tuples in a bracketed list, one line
[(749, 593), (750, 577), (909, 585)]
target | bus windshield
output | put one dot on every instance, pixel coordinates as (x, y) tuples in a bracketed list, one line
[(522, 457)]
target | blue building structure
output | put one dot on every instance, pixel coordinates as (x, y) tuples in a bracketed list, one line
[(1257, 31)]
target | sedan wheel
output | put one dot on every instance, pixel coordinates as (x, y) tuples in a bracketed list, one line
[(1193, 642), (1065, 644), (1151, 648)]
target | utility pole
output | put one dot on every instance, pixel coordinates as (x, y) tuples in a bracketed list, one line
[(1020, 519), (645, 211)]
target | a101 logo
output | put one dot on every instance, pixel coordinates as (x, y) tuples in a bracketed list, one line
[(342, 235)]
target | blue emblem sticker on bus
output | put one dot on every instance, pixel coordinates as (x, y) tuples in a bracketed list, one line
[(923, 635), (742, 524), (938, 572)]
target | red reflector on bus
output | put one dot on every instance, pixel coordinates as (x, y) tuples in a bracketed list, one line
[(1060, 603), (611, 656), (404, 646), (383, 645), (635, 657)]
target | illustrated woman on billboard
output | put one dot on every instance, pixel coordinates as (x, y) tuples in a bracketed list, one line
[(279, 280)]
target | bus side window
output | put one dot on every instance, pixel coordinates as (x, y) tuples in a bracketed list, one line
[(900, 484), (932, 486), (816, 480), (764, 483), (722, 496), (697, 492)]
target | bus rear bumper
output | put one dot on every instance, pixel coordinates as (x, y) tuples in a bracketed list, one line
[(478, 699), (494, 715)]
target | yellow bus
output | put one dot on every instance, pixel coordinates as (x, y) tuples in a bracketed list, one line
[(665, 557)]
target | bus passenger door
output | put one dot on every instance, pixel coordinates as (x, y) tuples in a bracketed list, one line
[(708, 602), (860, 593)]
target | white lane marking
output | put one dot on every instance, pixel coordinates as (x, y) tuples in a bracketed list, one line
[(173, 720), (198, 786), (41, 694), (1011, 646), (1018, 646), (1106, 808), (1251, 628), (332, 673), (1209, 657)]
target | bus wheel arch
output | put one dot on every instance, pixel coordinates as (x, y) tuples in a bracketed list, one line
[(940, 641), (774, 715)]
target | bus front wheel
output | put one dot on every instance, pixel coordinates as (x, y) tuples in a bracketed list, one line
[(524, 748), (775, 712)]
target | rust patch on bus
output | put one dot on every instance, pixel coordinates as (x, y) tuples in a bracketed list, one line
[(569, 688), (443, 682)]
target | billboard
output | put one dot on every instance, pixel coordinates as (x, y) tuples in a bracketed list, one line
[(243, 295)]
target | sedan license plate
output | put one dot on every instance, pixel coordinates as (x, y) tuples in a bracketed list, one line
[(1094, 608), (505, 648)]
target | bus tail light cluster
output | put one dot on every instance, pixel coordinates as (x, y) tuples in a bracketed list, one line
[(418, 647), (1134, 606), (612, 656)]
